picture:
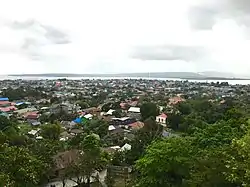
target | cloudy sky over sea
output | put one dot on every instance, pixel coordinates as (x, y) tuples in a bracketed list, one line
[(97, 36)]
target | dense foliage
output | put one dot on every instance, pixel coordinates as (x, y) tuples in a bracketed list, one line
[(212, 150), (207, 145)]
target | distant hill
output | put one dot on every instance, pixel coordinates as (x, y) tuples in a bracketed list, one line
[(177, 75)]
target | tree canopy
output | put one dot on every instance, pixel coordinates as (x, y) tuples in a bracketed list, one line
[(149, 110)]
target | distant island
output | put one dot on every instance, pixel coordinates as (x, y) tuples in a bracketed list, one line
[(176, 75)]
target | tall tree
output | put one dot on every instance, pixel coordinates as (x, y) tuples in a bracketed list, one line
[(149, 110), (166, 163), (239, 161), (97, 126), (51, 131), (20, 166), (90, 161)]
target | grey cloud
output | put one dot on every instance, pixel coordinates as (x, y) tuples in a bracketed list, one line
[(239, 6), (56, 36), (22, 25), (52, 34), (29, 42), (41, 35), (169, 52), (202, 18), (205, 15)]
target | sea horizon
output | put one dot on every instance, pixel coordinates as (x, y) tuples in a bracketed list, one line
[(230, 81)]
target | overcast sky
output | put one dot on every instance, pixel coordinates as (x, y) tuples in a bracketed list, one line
[(111, 36)]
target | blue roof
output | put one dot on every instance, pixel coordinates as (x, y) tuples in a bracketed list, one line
[(78, 120), (19, 102), (4, 99)]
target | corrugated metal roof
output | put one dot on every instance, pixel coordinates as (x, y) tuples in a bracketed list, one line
[(4, 99)]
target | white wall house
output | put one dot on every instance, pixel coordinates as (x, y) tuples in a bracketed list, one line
[(134, 109), (162, 119)]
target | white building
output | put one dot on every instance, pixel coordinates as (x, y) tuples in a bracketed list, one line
[(134, 110), (162, 119)]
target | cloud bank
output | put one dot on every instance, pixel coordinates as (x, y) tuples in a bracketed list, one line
[(126, 36)]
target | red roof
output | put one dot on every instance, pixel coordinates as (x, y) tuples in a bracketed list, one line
[(5, 102), (7, 109), (176, 100), (163, 115), (31, 115), (136, 125), (123, 105), (133, 103)]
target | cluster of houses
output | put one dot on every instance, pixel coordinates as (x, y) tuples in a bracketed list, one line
[(127, 92), (62, 96)]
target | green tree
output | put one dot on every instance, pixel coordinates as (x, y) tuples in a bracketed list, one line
[(143, 138), (149, 110), (239, 161), (106, 107), (97, 126), (5, 123), (5, 180), (117, 113), (54, 100), (184, 108), (209, 168), (83, 104), (205, 158), (51, 131), (174, 120), (20, 166), (166, 163), (91, 159)]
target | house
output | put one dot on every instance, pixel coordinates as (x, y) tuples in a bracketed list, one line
[(34, 122), (6, 105), (122, 121), (112, 149), (31, 115), (65, 135), (68, 124), (8, 109), (92, 110), (111, 127), (133, 103), (63, 160), (80, 120), (126, 147), (110, 112), (168, 134), (105, 118), (88, 116), (176, 100), (57, 108), (4, 99), (115, 130), (124, 105), (75, 132), (44, 108), (18, 104), (136, 125), (134, 110), (162, 119), (33, 132), (21, 112)]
